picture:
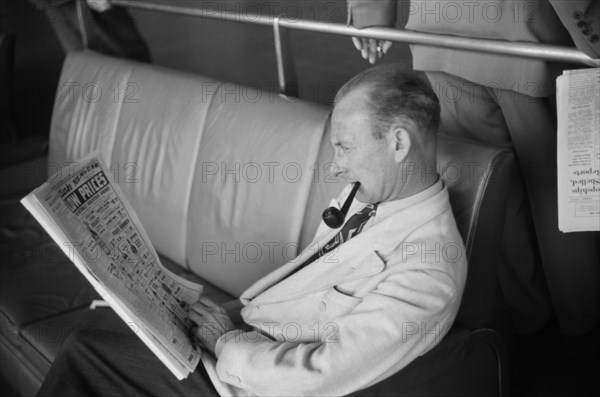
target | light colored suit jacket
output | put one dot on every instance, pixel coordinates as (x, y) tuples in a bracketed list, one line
[(560, 22), (357, 315)]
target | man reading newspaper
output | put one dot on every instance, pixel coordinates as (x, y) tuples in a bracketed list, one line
[(318, 327)]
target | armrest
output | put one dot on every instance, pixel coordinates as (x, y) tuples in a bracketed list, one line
[(19, 179), (23, 151), (495, 341), (23, 167)]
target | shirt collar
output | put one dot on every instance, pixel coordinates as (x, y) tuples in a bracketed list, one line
[(387, 208)]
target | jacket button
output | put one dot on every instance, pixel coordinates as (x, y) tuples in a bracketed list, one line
[(581, 24), (578, 14), (233, 377), (322, 306), (587, 31), (594, 38)]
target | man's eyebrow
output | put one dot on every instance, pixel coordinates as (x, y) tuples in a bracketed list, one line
[(341, 142)]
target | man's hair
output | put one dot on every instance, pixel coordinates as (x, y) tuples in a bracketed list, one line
[(396, 96)]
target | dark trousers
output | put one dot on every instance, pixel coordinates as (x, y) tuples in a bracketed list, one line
[(112, 32), (569, 260), (105, 358)]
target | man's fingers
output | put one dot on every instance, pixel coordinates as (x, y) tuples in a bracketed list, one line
[(212, 305), (201, 309), (207, 302), (202, 314), (203, 320), (379, 50), (198, 307), (386, 46), (372, 51), (99, 5), (365, 48), (207, 323), (196, 318)]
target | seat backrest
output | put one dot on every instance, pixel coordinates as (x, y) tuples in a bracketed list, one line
[(477, 176), (230, 181), (219, 174)]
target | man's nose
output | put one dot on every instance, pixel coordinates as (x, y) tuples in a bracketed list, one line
[(336, 168), (337, 159)]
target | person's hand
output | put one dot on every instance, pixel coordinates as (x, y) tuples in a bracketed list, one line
[(210, 322), (371, 49), (99, 5)]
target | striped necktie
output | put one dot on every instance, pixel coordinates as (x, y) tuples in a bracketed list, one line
[(351, 228)]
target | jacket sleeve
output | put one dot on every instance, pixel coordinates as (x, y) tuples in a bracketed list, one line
[(404, 316), (582, 19), (366, 13)]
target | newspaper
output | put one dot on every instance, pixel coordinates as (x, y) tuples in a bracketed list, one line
[(578, 108), (90, 219)]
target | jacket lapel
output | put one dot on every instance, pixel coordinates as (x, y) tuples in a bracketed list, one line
[(282, 272), (320, 276), (349, 262)]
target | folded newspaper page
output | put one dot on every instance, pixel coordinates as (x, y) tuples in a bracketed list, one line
[(87, 215), (578, 107)]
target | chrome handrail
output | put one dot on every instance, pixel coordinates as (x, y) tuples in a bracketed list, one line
[(530, 50), (81, 20), (285, 65)]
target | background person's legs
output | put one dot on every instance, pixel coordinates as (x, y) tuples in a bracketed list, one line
[(116, 33), (111, 32), (63, 19), (571, 260), (469, 110)]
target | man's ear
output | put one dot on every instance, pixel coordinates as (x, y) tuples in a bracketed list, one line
[(401, 143)]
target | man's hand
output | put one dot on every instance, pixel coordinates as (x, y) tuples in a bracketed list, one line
[(371, 49), (211, 322), (99, 5)]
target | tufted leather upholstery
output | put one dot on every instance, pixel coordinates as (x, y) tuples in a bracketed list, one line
[(208, 165)]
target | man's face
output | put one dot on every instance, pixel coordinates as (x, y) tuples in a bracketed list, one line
[(359, 156)]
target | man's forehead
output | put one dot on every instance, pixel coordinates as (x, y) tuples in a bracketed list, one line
[(347, 127), (353, 100), (341, 136), (350, 115)]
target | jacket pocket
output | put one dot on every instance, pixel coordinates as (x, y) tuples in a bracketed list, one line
[(335, 303)]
